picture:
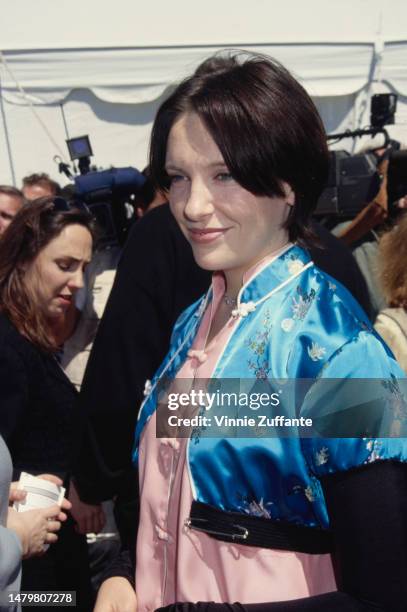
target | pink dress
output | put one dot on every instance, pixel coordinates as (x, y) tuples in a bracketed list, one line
[(177, 564)]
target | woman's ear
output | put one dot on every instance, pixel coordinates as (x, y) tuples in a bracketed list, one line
[(289, 194)]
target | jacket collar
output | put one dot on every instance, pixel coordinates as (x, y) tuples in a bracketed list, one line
[(272, 273), (263, 280)]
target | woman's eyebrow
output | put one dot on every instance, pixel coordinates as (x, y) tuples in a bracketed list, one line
[(73, 259), (172, 167), (215, 164)]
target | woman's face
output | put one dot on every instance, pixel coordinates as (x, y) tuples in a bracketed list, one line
[(56, 273), (228, 227)]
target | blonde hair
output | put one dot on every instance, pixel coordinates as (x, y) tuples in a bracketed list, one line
[(393, 264)]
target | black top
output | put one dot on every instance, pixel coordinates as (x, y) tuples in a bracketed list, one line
[(39, 417)]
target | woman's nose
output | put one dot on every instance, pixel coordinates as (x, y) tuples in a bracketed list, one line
[(76, 281), (199, 203)]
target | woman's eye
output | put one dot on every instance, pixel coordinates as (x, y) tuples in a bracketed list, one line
[(63, 266), (175, 178), (224, 176)]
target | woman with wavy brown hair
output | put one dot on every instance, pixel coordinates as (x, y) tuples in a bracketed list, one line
[(43, 254), (391, 322)]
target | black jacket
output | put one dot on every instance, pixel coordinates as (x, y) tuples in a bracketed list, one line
[(39, 417), (156, 279)]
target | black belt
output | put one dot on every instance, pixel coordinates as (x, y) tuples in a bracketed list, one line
[(258, 531)]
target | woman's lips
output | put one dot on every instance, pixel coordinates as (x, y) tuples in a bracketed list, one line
[(65, 299), (205, 236)]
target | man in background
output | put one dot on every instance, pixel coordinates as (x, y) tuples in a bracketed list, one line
[(39, 185), (11, 200)]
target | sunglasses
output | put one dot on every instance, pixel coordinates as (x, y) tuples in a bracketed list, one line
[(62, 205)]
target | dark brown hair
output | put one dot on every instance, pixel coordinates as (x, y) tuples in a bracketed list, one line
[(34, 226), (264, 123), (11, 191), (42, 179), (392, 264)]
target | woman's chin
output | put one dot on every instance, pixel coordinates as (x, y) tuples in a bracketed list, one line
[(208, 262), (56, 312)]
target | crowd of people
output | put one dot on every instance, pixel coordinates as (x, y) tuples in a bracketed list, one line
[(224, 275)]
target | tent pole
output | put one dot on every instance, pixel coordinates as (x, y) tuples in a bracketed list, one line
[(6, 136), (64, 120)]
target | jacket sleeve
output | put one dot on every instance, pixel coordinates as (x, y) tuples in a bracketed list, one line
[(13, 391), (10, 561), (368, 510), (358, 409)]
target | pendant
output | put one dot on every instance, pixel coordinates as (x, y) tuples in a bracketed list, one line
[(229, 301)]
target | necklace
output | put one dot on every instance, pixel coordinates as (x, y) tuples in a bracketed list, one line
[(229, 301)]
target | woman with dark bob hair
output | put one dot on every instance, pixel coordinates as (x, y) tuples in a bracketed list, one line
[(43, 254), (274, 519)]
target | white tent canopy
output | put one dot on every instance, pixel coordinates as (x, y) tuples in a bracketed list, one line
[(104, 67)]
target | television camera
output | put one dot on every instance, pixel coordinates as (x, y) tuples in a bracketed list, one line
[(109, 194), (354, 179)]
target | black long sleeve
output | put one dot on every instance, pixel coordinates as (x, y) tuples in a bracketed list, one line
[(122, 566), (368, 511), (39, 417), (13, 385)]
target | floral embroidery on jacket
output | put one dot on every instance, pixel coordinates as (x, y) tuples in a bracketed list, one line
[(196, 432), (309, 493), (302, 303), (255, 507), (294, 265), (258, 346), (301, 490), (373, 446), (316, 352), (148, 387), (322, 456), (396, 402), (287, 324)]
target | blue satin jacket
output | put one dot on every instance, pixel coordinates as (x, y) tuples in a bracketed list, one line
[(295, 322)]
